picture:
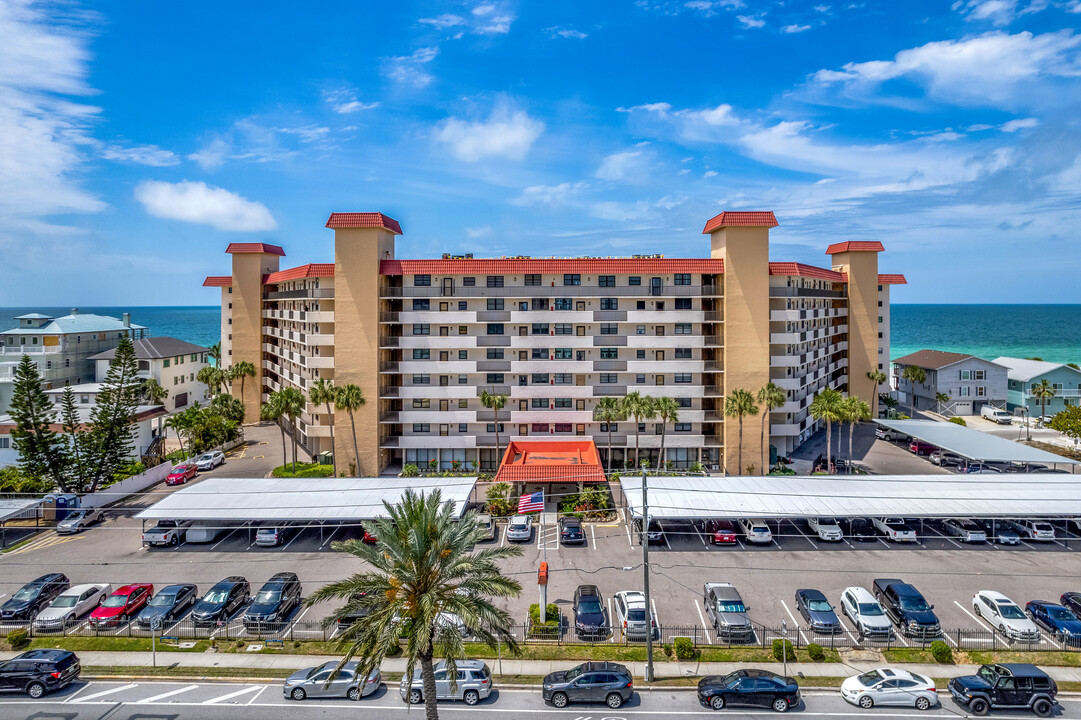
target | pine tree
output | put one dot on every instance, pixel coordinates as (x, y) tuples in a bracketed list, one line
[(41, 451), (113, 432), (77, 441)]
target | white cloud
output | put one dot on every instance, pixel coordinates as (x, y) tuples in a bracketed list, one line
[(307, 133), (478, 232), (790, 29), (660, 107), (484, 9), (709, 8), (1074, 6), (566, 32), (751, 21), (506, 133), (495, 25), (150, 155), (710, 173), (628, 165), (1019, 124), (824, 9), (345, 102), (720, 115), (550, 195), (197, 202), (444, 21), (410, 69), (212, 155), (998, 12)]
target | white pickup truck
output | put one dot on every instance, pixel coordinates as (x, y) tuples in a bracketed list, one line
[(896, 529), (166, 532)]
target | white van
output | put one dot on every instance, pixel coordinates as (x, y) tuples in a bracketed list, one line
[(204, 532), (995, 414)]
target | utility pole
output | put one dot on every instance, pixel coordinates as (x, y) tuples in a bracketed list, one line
[(645, 582)]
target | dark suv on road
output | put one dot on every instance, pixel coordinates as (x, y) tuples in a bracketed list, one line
[(39, 671), (1006, 685), (604, 682), (32, 597)]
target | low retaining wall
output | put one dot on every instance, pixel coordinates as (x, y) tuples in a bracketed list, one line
[(127, 486)]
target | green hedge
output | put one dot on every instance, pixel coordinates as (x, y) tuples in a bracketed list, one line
[(549, 629), (783, 650), (304, 470), (815, 652), (684, 648), (18, 638), (958, 421), (941, 652)]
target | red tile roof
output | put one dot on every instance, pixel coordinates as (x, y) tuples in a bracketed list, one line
[(550, 265), (364, 220), (892, 279), (263, 248), (801, 270), (218, 281), (304, 271), (741, 219), (550, 461), (855, 246)]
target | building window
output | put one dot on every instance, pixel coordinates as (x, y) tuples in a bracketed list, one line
[(977, 374), (659, 330), (421, 304), (539, 378), (880, 318), (533, 279), (634, 280), (540, 354), (421, 427), (422, 280), (444, 331), (684, 402), (523, 306), (495, 328), (683, 303), (495, 378), (538, 403), (683, 328), (422, 329), (422, 379), (563, 304), (165, 363), (609, 353), (981, 391), (494, 353), (540, 303), (463, 355), (564, 329), (540, 329), (572, 279), (463, 403), (5, 443), (562, 427), (495, 281), (682, 427), (563, 354), (659, 380), (609, 378), (682, 279), (563, 379), (640, 378), (966, 374), (639, 354), (490, 427), (495, 303), (469, 282), (606, 280), (609, 427), (609, 303), (422, 354), (538, 428), (609, 329), (421, 403), (683, 353), (564, 404), (683, 378), (965, 391)]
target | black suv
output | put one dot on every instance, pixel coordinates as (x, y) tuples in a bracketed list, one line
[(1007, 685), (906, 607), (39, 671), (605, 682), (271, 606), (590, 620), (221, 601), (25, 604)]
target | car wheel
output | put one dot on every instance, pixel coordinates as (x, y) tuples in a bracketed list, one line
[(780, 705), (614, 700), (979, 706), (717, 702), (471, 697), (976, 609), (559, 700), (175, 540), (35, 690), (298, 694), (353, 694), (922, 703), (415, 698), (867, 702), (1043, 708)]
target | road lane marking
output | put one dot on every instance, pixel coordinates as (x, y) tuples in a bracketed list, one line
[(156, 698), (703, 619), (794, 621), (592, 536), (110, 691), (72, 696), (232, 695), (257, 694)]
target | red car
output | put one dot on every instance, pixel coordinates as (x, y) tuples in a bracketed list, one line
[(124, 604), (921, 448), (369, 538), (721, 532), (181, 474)]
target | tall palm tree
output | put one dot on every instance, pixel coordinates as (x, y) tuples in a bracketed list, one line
[(213, 377), (827, 407), (272, 410), (423, 564), (640, 407), (241, 370), (854, 410), (215, 353), (1043, 392), (178, 423), (154, 393), (228, 407), (495, 403), (349, 398), (667, 412), (770, 398), (323, 392), (877, 377), (292, 401), (941, 398), (608, 410), (915, 376), (739, 404)]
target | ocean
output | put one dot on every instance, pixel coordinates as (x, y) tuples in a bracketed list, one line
[(1051, 332)]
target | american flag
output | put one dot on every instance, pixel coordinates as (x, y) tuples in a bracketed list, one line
[(531, 503)]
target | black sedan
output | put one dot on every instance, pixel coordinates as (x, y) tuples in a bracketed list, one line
[(1056, 619), (32, 597), (570, 531), (861, 529), (168, 606), (1072, 602), (749, 688), (221, 601), (817, 611)]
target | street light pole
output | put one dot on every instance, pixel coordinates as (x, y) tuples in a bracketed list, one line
[(645, 581)]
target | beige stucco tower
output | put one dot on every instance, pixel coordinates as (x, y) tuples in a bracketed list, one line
[(361, 242), (741, 240), (859, 260), (251, 262)]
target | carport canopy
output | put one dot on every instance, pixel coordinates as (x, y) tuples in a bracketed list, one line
[(319, 500), (910, 496), (10, 509), (973, 444)]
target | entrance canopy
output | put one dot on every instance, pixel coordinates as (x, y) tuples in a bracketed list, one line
[(550, 461), (910, 496), (308, 499), (973, 444)]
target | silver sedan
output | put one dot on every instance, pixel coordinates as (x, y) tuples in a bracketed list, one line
[(312, 682)]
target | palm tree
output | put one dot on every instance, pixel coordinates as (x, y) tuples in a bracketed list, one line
[(915, 376), (323, 392), (608, 410), (877, 377), (941, 398), (1043, 392), (241, 370), (827, 407), (738, 404), (215, 353), (667, 412), (213, 377), (854, 410), (272, 410), (640, 407), (350, 398), (292, 402), (178, 423), (494, 403), (154, 393), (228, 407), (770, 398), (423, 565)]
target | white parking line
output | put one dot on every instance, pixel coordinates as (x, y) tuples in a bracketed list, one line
[(123, 627), (155, 698), (232, 695), (700, 535), (257, 694), (611, 622), (296, 535), (331, 536), (72, 696), (948, 539), (802, 535), (592, 536), (844, 627), (965, 610), (502, 538), (110, 691), (794, 621), (227, 535), (703, 619), (629, 541), (664, 536)]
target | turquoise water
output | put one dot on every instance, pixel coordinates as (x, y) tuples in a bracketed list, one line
[(1052, 332)]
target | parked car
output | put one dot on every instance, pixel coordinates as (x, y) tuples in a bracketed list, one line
[(906, 607), (1055, 619), (351, 616), (727, 612), (78, 520), (884, 433), (945, 458), (860, 606), (890, 686), (474, 683), (346, 683), (120, 607), (367, 536), (1020, 467), (570, 531), (1072, 602), (273, 535), (71, 605), (654, 533), (1035, 530), (922, 448), (755, 531), (181, 474), (270, 607), (1005, 685), (599, 682), (1005, 615), (861, 529), (29, 600), (965, 530), (168, 606), (37, 672), (590, 619), (210, 460), (817, 611), (633, 616), (999, 532), (896, 529), (221, 601), (491, 530), (977, 468), (166, 532), (826, 528), (721, 531), (749, 688), (204, 531), (520, 528), (997, 415)]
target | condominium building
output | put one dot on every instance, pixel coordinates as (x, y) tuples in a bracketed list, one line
[(173, 363), (423, 338)]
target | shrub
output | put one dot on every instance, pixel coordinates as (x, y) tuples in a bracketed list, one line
[(941, 652), (304, 470), (782, 470), (667, 649), (499, 504), (958, 421), (783, 650), (684, 647), (18, 638), (549, 629), (410, 471), (816, 653)]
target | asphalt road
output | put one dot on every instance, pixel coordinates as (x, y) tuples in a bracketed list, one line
[(227, 701)]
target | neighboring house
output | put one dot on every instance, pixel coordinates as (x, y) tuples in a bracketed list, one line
[(173, 363), (970, 382), (1025, 374), (61, 346)]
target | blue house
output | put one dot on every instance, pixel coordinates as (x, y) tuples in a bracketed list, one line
[(1024, 374)]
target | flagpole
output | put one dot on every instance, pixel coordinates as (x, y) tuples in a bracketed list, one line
[(544, 538)]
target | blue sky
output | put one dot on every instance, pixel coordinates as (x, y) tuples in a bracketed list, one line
[(138, 139)]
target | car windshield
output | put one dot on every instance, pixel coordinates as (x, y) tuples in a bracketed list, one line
[(636, 615), (915, 604), (826, 522), (986, 674), (162, 600), (1059, 613), (869, 678), (730, 606), (65, 601), (268, 596), (115, 601), (26, 594), (818, 606), (574, 672), (1011, 612), (216, 597), (76, 515), (208, 456), (870, 609), (517, 526), (589, 605)]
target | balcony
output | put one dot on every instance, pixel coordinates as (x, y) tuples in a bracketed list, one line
[(609, 316), (712, 391), (493, 389), (493, 366), (711, 290), (389, 341), (548, 291), (609, 341), (297, 294), (804, 292), (493, 341), (620, 365), (490, 415), (487, 316), (609, 390)]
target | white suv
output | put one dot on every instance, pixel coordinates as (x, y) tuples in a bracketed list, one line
[(756, 531), (865, 613), (1038, 530), (632, 614), (1007, 617), (827, 528)]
